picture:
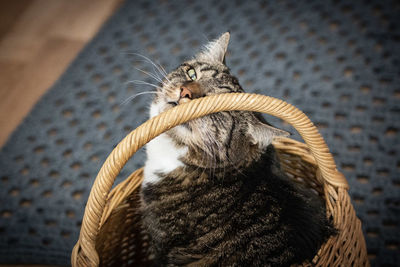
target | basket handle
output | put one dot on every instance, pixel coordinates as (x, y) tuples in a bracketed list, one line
[(181, 114)]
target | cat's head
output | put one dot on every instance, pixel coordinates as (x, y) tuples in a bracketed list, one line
[(220, 139)]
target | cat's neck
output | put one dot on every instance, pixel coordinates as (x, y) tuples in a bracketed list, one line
[(166, 158)]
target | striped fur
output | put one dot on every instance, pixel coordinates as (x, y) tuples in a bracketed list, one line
[(226, 202)]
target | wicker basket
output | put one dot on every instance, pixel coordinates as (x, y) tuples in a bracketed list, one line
[(112, 235)]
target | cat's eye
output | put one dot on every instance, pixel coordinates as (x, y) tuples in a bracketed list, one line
[(192, 74)]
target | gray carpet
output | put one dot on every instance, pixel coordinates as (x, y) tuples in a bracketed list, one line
[(338, 61)]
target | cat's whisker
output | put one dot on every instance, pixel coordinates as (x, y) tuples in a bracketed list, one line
[(152, 75), (197, 129), (162, 74), (203, 155), (205, 37), (203, 159), (216, 153), (210, 159), (215, 149), (130, 98), (143, 83), (159, 67), (210, 144)]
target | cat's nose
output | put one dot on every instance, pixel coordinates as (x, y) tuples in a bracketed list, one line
[(186, 93)]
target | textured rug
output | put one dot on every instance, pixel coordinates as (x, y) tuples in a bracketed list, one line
[(338, 61)]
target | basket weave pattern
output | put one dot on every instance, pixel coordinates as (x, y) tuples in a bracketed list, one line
[(111, 232)]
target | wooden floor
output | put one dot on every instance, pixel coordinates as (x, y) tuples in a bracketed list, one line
[(38, 40)]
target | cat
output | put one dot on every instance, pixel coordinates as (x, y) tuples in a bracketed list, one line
[(213, 192)]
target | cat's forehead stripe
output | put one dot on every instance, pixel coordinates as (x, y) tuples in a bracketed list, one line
[(207, 68)]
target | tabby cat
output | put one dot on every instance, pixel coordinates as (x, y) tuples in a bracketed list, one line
[(213, 192)]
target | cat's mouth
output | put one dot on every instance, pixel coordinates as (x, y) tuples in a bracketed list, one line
[(180, 101), (173, 103)]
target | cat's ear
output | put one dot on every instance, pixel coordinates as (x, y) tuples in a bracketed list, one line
[(215, 50), (262, 134)]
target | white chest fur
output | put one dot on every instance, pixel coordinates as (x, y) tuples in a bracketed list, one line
[(162, 157)]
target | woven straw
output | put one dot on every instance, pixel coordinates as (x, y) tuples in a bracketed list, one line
[(111, 232)]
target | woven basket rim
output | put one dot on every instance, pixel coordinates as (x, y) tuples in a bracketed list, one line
[(94, 215)]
